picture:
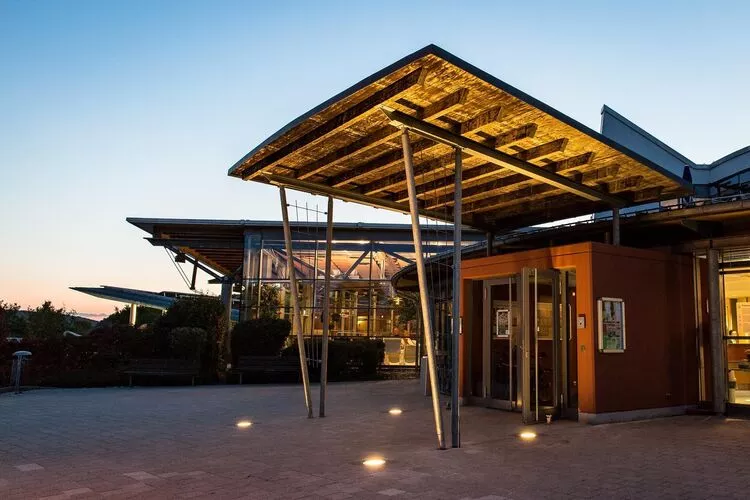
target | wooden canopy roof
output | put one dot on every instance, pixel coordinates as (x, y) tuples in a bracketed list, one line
[(523, 162)]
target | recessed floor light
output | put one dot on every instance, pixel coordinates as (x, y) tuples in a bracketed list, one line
[(374, 462), (244, 424), (527, 435), (395, 411)]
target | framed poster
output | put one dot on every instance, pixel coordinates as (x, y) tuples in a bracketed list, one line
[(502, 324), (743, 319), (611, 324)]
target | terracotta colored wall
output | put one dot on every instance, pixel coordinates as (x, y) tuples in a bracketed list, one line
[(576, 257), (659, 365)]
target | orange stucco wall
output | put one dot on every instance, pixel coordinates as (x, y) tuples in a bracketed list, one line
[(659, 366)]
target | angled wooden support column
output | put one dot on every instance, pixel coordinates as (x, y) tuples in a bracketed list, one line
[(423, 290), (456, 314), (326, 315), (294, 294)]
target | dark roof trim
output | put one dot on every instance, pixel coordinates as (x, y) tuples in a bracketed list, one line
[(730, 156)]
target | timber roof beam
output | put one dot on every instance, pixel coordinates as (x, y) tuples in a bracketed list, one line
[(503, 159)]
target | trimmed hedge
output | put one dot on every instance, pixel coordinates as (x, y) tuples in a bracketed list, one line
[(348, 358), (259, 337), (90, 361)]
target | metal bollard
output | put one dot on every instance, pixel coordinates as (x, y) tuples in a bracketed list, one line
[(19, 359)]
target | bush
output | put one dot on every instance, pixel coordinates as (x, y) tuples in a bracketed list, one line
[(204, 312), (90, 361), (348, 358), (259, 337), (187, 342)]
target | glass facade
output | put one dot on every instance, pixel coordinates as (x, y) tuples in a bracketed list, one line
[(363, 302), (735, 290)]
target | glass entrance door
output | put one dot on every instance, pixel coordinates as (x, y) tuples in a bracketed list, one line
[(502, 329), (541, 366)]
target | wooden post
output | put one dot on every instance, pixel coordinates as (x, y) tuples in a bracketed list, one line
[(423, 290), (294, 294)]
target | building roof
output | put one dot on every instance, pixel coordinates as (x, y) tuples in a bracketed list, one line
[(524, 162), (157, 300), (219, 244)]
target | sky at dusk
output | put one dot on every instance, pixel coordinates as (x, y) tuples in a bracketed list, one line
[(119, 108)]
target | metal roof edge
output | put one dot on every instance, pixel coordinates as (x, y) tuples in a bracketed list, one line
[(642, 132), (428, 49)]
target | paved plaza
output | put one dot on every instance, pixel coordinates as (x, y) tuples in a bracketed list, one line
[(183, 442)]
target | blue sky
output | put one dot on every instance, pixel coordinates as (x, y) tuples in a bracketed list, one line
[(111, 109)]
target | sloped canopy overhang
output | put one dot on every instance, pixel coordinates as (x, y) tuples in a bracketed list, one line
[(524, 162), (219, 244)]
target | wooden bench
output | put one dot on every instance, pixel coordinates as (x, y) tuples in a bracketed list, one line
[(267, 365), (162, 368)]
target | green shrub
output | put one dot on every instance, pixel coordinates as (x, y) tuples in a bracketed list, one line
[(186, 342), (205, 312), (348, 358), (259, 337)]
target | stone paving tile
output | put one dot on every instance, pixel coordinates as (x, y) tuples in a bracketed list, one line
[(182, 442)]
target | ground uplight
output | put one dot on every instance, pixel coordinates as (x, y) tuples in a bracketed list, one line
[(374, 462), (527, 435), (244, 424), (395, 411)]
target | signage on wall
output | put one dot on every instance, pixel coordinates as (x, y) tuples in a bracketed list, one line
[(611, 324)]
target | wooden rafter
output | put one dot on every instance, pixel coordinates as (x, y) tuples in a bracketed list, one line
[(399, 178), (532, 212), (443, 186), (536, 190), (382, 162), (393, 158), (382, 135), (388, 160), (514, 135), (556, 146), (346, 195), (338, 122), (476, 149)]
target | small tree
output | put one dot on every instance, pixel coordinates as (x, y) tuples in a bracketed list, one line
[(405, 309), (269, 302), (48, 321), (12, 322)]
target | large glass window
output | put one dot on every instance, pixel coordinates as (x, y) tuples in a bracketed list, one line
[(735, 287), (362, 300)]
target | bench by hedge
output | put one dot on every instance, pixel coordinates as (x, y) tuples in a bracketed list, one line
[(162, 368), (267, 365)]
